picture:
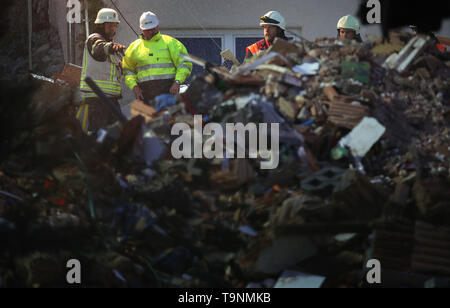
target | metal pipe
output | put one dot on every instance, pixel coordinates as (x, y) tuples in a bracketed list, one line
[(30, 34), (74, 50), (86, 17), (69, 42)]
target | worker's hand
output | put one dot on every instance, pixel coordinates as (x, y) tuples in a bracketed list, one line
[(174, 89), (118, 48), (138, 93)]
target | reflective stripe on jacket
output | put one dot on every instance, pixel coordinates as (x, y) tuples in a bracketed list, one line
[(156, 59), (107, 75), (256, 48)]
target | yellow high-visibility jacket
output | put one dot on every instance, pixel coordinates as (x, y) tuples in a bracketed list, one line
[(156, 59)]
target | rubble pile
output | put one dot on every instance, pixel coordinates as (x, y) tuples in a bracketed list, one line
[(47, 50), (363, 174)]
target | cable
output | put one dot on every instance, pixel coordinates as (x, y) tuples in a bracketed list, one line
[(203, 28), (124, 18), (192, 15)]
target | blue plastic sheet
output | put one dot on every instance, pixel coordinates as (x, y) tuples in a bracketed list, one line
[(164, 101)]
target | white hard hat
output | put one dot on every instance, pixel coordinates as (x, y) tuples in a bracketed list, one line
[(349, 22), (273, 18), (107, 15), (149, 21)]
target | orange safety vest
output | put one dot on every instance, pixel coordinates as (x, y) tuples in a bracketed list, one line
[(256, 48)]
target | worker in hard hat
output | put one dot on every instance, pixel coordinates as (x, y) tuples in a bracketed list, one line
[(153, 64), (102, 63), (348, 28), (274, 26)]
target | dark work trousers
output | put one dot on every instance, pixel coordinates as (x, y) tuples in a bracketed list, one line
[(94, 113), (154, 88)]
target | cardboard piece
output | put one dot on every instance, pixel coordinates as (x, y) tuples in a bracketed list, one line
[(228, 55), (139, 108), (70, 74)]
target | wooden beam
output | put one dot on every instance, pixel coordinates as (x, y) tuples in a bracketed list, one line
[(139, 108), (346, 115)]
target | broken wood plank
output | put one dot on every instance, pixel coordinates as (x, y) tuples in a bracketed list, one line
[(346, 115), (247, 80), (332, 95), (139, 108), (70, 74), (284, 47), (330, 92)]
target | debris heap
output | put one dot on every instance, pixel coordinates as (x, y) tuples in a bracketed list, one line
[(363, 173)]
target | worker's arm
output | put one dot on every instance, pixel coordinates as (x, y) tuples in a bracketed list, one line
[(130, 72), (100, 48), (184, 67), (248, 54), (130, 68)]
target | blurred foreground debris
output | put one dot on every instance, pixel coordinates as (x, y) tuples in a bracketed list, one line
[(363, 174)]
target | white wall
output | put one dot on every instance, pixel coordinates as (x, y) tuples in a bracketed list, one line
[(316, 18), (445, 29)]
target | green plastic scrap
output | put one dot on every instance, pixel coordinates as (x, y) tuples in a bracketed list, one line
[(339, 152), (357, 70), (90, 194)]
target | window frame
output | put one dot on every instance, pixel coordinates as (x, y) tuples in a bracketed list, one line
[(228, 36)]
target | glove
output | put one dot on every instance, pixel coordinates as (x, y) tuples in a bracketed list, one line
[(115, 48), (118, 47), (164, 101)]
